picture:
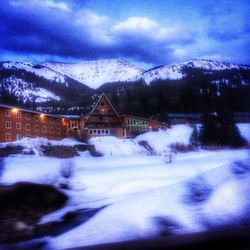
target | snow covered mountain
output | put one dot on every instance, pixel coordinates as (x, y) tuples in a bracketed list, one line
[(177, 70), (97, 72), (36, 69), (28, 82), (78, 82)]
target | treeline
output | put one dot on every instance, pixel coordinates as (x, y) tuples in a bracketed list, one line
[(188, 95), (192, 94)]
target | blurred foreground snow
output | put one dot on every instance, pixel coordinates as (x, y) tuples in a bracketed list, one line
[(144, 195)]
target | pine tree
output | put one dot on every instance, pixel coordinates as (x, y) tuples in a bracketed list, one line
[(229, 134), (209, 130), (194, 138)]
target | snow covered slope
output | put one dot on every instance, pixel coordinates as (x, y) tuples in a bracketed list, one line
[(36, 69), (177, 70), (97, 72), (27, 92), (29, 82)]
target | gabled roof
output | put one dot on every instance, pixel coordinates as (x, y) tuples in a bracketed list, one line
[(102, 95)]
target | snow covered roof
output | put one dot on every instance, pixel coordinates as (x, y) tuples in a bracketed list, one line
[(27, 110), (70, 116)]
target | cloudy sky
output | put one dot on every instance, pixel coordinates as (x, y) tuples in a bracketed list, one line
[(146, 32)]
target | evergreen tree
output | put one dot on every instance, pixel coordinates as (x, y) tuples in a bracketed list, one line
[(209, 130), (194, 138), (229, 134)]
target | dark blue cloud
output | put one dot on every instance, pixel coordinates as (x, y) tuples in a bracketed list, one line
[(154, 32)]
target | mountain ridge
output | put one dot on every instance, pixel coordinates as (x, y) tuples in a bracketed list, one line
[(57, 84)]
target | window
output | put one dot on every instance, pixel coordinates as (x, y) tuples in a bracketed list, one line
[(36, 128), (7, 136), (103, 103), (98, 132), (8, 125), (51, 120), (58, 130), (44, 129), (36, 117), (28, 116), (106, 119), (18, 125), (51, 130), (44, 118), (7, 112), (90, 131), (18, 114), (28, 127), (106, 131)]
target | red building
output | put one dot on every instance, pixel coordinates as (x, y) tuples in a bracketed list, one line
[(103, 120), (16, 123)]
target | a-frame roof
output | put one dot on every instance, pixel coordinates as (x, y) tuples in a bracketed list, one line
[(101, 96)]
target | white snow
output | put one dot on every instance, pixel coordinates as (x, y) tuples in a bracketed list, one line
[(27, 91), (245, 130), (175, 71), (97, 72), (140, 190), (38, 70), (163, 138)]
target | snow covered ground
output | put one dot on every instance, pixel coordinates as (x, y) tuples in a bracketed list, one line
[(144, 196)]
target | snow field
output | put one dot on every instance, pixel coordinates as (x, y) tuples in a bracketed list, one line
[(197, 191)]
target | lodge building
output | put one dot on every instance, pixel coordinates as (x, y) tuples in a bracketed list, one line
[(102, 120)]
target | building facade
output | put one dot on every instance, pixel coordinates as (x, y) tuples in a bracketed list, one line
[(102, 120), (16, 123)]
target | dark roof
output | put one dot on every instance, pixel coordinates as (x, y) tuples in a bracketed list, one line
[(27, 110)]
